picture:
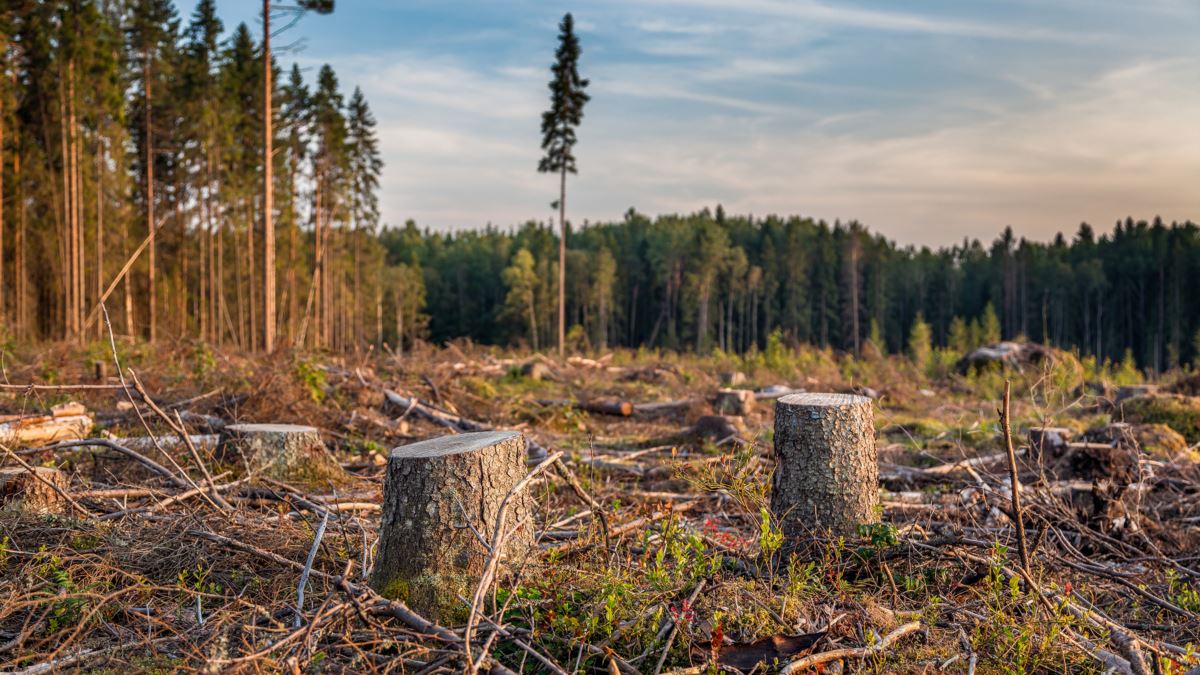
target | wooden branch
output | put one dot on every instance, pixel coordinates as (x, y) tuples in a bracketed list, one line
[(814, 660)]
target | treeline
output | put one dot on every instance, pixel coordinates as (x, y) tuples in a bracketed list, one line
[(132, 171), (711, 280)]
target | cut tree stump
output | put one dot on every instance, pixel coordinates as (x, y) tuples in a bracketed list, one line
[(437, 495), (21, 490), (286, 452), (826, 471), (734, 402), (1048, 443)]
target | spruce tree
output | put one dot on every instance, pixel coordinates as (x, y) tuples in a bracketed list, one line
[(567, 98)]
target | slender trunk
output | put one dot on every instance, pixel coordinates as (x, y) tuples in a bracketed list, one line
[(151, 229), (562, 261), (99, 227), (3, 286), (76, 202), (268, 192), (67, 243), (399, 323), (252, 289), (293, 257)]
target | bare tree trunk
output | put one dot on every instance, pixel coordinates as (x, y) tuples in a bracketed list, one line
[(562, 261), (427, 557), (150, 228), (826, 472), (99, 227), (268, 191)]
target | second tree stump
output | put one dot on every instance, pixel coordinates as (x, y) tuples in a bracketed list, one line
[(286, 452), (435, 493), (826, 471)]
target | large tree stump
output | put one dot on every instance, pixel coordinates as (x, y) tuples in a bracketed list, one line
[(286, 452), (436, 492), (31, 492), (826, 472)]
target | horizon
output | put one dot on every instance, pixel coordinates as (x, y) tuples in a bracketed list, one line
[(928, 125)]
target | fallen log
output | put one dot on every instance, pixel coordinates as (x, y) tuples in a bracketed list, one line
[(614, 407), (45, 429), (457, 423)]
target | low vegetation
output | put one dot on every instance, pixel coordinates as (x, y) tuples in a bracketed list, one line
[(665, 558)]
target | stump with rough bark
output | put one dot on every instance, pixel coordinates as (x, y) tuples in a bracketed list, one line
[(734, 402), (31, 491), (437, 495), (826, 472), (286, 452)]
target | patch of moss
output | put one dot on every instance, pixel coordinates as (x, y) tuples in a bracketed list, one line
[(1181, 413)]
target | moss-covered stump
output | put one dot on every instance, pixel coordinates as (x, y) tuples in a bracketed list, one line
[(436, 495), (1181, 413), (31, 491), (286, 452), (1161, 442), (826, 471)]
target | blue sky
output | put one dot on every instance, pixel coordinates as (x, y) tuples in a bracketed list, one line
[(928, 121)]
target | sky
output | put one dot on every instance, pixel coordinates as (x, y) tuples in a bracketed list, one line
[(927, 120)]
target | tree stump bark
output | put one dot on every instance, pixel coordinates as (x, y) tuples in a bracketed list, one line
[(286, 452), (826, 471), (21, 490), (436, 492), (734, 402)]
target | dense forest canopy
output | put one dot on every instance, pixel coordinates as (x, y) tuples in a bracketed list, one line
[(131, 171)]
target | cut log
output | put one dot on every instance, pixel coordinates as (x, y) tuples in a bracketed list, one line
[(437, 495), (536, 371), (775, 391), (652, 410), (285, 452), (22, 490), (604, 406), (45, 429), (403, 405), (826, 472)]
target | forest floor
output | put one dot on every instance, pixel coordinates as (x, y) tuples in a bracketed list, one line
[(664, 557)]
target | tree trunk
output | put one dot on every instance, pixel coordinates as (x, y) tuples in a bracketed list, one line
[(562, 261), (31, 492), (826, 473), (268, 192), (437, 493), (150, 229), (282, 451)]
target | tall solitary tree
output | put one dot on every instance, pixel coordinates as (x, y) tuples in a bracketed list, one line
[(567, 98), (321, 7)]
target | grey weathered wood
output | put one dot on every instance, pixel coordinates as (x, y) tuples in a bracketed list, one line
[(440, 497), (826, 472), (287, 452)]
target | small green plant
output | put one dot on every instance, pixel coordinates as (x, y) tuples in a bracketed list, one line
[(312, 378), (1182, 593), (203, 360)]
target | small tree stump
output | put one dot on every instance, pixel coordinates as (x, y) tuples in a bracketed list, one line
[(734, 402), (826, 471), (1048, 443), (286, 452), (735, 378), (21, 490), (436, 492)]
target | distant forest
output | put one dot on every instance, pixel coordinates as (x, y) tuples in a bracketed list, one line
[(711, 280), (131, 147)]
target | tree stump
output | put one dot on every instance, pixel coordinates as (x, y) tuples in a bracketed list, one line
[(286, 452), (436, 492), (734, 402), (826, 472), (21, 490), (1048, 443)]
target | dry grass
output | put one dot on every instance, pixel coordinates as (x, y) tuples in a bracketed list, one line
[(693, 569)]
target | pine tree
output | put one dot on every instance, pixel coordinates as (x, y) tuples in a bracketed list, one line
[(959, 340), (521, 280), (269, 314), (989, 326), (567, 98), (152, 29)]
